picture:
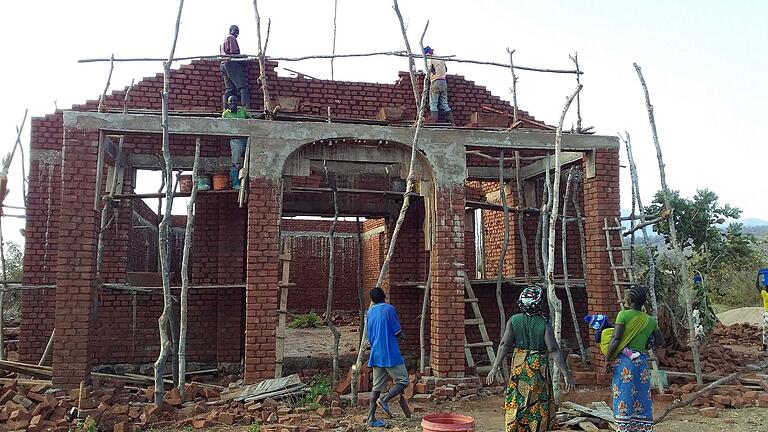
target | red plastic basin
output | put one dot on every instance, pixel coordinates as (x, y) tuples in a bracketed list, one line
[(447, 422)]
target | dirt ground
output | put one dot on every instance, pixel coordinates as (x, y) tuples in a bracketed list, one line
[(319, 341), (489, 416)]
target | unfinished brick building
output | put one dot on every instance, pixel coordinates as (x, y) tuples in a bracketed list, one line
[(454, 221)]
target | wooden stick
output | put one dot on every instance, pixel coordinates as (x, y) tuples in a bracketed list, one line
[(504, 246), (246, 57), (268, 111), (48, 349), (333, 49), (681, 403), (331, 275), (514, 85), (423, 326), (126, 98), (554, 303), (687, 288), (9, 158), (189, 230), (646, 238), (411, 61), (582, 242), (642, 225), (80, 400), (575, 59), (495, 158), (360, 291), (162, 321), (406, 195), (521, 217), (564, 255), (103, 99)]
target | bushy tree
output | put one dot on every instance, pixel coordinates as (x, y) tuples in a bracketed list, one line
[(14, 267)]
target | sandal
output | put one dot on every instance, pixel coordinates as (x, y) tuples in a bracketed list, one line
[(378, 424)]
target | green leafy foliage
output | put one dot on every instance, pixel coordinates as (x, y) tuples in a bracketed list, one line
[(725, 256), (310, 320), (14, 262), (320, 385)]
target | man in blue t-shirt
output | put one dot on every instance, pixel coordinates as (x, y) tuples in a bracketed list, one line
[(383, 331)]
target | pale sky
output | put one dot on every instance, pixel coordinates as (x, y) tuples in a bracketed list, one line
[(704, 61)]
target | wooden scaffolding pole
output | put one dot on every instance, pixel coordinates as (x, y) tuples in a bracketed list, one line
[(687, 288), (189, 230), (163, 320), (521, 218), (408, 187), (504, 246), (555, 305), (564, 254), (651, 280), (331, 274)]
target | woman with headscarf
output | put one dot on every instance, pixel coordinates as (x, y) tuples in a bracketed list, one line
[(528, 401), (633, 332)]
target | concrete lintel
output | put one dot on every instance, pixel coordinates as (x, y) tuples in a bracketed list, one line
[(540, 167), (272, 142), (311, 131)]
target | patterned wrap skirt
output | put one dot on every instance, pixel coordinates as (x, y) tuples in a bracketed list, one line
[(632, 407), (528, 398)]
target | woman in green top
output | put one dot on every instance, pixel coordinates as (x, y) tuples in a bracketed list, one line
[(528, 397), (632, 407)]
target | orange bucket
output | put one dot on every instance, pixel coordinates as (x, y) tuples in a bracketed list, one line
[(221, 181), (447, 422)]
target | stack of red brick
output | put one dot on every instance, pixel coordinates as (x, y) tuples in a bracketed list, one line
[(744, 394), (116, 406), (714, 358)]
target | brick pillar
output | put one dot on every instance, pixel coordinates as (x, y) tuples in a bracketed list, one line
[(261, 293), (601, 200), (76, 289), (447, 296)]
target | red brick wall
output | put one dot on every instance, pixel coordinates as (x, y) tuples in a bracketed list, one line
[(309, 265), (221, 239), (76, 269), (261, 278), (601, 200)]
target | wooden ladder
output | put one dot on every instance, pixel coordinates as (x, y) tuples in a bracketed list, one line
[(628, 268), (478, 321), (623, 273), (282, 312)]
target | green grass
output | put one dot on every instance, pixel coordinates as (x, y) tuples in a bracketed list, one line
[(309, 320), (319, 385)]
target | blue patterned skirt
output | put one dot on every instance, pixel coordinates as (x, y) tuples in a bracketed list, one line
[(632, 406)]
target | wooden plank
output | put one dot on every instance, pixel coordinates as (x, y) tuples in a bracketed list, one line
[(41, 372), (589, 411)]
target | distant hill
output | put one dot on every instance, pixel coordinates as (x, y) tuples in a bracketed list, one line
[(753, 222)]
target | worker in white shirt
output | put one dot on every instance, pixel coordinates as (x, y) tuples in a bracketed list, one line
[(438, 89)]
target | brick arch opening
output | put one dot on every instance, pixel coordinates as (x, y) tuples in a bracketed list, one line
[(369, 176)]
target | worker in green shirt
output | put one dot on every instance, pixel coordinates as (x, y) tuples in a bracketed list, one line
[(236, 145)]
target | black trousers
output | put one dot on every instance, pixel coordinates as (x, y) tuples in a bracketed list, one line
[(235, 82)]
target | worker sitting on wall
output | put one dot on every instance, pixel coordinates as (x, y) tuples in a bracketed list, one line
[(438, 88), (236, 145), (233, 72)]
